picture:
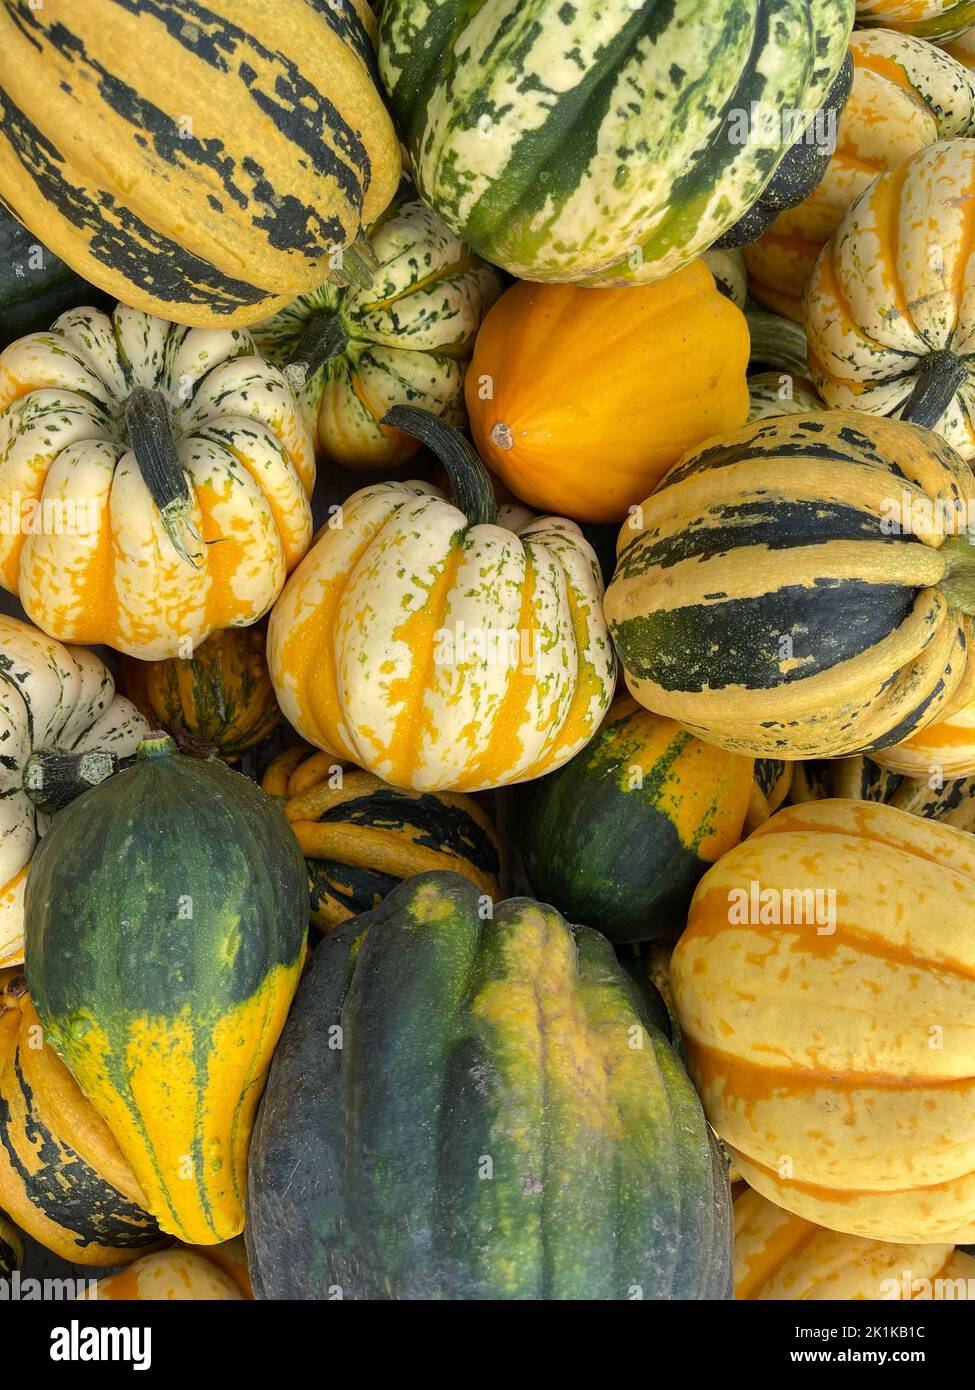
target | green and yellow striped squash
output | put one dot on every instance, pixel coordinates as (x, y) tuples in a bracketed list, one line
[(798, 589), (603, 141), (361, 837), (166, 917), (620, 835), (55, 702), (936, 20), (860, 778), (405, 339), (204, 163), (11, 1248), (63, 1178), (502, 1119), (170, 469), (940, 752)]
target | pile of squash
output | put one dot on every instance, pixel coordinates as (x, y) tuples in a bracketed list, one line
[(536, 868)]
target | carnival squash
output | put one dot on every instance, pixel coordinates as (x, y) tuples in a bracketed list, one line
[(179, 1273), (166, 914), (501, 1119), (361, 837), (206, 164), (780, 1257), (942, 751), (62, 729), (170, 469), (619, 837), (771, 394), (432, 647), (580, 400), (62, 1175), (798, 588), (906, 95), (565, 142), (729, 271), (35, 286), (219, 700), (825, 986), (11, 1248), (860, 778), (929, 19), (889, 323), (403, 339)]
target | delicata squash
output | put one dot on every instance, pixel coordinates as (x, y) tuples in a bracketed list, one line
[(435, 648), (800, 589)]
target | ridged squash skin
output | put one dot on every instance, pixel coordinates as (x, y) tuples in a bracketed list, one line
[(203, 164), (166, 926), (219, 700), (929, 19), (179, 1274), (593, 140), (361, 837), (408, 670), (63, 1177), (488, 1128), (619, 837), (404, 339), (51, 697), (790, 590), (771, 394), (952, 802), (886, 309), (944, 750), (832, 1048), (779, 1257), (906, 95), (113, 567), (633, 378)]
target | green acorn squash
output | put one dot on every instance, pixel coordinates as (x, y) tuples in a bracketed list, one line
[(166, 914), (472, 1101), (615, 142)]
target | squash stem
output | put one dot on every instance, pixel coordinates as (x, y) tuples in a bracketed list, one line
[(470, 482), (151, 434), (938, 379), (323, 339), (53, 778), (358, 264), (958, 584)]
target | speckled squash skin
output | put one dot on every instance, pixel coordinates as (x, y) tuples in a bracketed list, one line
[(861, 1127), (180, 1274), (205, 163), (936, 20), (479, 1048), (115, 567), (782, 1258), (166, 925), (63, 1178)]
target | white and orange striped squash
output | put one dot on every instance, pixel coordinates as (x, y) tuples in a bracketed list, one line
[(781, 1257), (943, 751), (182, 1273), (906, 95), (929, 19), (51, 697), (834, 1048), (156, 479), (889, 318), (436, 648)]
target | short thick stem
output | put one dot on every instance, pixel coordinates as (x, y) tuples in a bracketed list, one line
[(938, 379), (323, 339), (151, 434), (53, 778), (470, 482)]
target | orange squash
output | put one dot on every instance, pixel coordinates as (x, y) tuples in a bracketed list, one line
[(581, 399)]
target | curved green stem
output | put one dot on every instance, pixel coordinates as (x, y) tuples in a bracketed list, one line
[(358, 265), (151, 433), (53, 778), (470, 482), (323, 339), (938, 379), (958, 584), (158, 744)]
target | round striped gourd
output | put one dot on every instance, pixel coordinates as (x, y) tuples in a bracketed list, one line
[(771, 394), (778, 343), (513, 1047), (780, 1257), (403, 339), (205, 164), (861, 778), (663, 368), (795, 589), (944, 750), (62, 728), (906, 95), (179, 1273), (219, 700), (174, 468), (361, 837), (830, 1037), (482, 661), (567, 142), (166, 915), (63, 1178), (619, 837), (929, 19), (11, 1248), (890, 327)]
